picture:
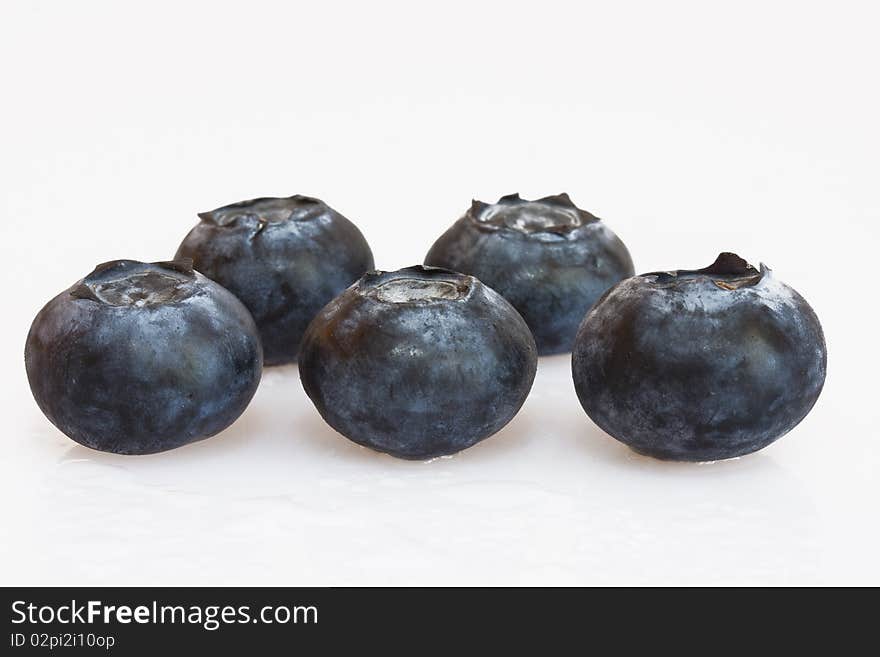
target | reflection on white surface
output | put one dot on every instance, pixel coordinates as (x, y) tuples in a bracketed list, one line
[(280, 498)]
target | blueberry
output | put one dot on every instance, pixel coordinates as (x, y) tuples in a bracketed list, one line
[(418, 363), (700, 365), (139, 358), (285, 258), (548, 258)]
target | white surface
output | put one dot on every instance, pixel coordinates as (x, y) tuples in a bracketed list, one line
[(690, 128)]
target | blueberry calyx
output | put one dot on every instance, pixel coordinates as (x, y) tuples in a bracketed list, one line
[(416, 285), (260, 212), (728, 264), (549, 218), (181, 265), (137, 284), (728, 272)]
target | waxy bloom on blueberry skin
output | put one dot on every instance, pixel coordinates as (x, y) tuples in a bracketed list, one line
[(139, 358), (700, 365), (418, 363), (285, 258), (548, 258)]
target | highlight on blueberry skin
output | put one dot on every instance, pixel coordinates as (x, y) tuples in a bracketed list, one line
[(548, 258), (418, 363), (138, 358), (700, 365), (284, 258)]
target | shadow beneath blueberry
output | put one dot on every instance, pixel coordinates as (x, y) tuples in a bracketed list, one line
[(509, 441), (238, 435), (316, 435), (582, 436), (564, 420), (306, 434), (248, 429)]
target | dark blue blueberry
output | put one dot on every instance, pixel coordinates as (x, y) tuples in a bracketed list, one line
[(418, 363), (139, 358), (700, 365), (285, 258), (548, 258)]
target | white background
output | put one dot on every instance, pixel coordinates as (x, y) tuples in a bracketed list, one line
[(691, 128)]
